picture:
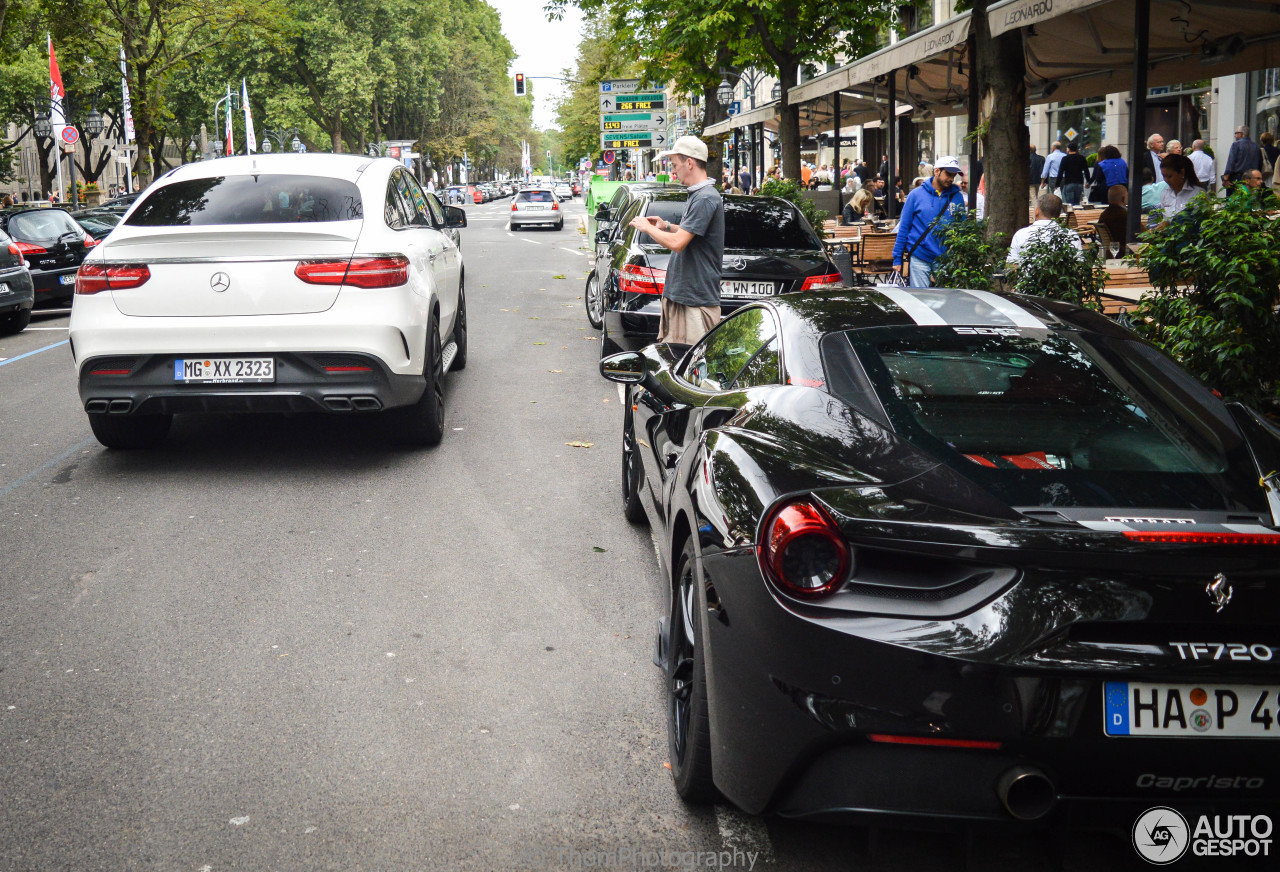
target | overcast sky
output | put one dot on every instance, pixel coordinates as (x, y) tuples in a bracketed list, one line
[(543, 48)]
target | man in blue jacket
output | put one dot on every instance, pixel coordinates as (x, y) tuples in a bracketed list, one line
[(929, 208)]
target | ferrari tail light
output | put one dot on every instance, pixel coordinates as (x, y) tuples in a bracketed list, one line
[(387, 271), (802, 551), (641, 279), (1203, 538), (817, 283), (92, 278)]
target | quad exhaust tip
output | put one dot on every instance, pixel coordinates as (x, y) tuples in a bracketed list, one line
[(348, 404), (1026, 793), (113, 407)]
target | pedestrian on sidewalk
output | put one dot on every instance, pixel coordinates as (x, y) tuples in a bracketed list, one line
[(1244, 155), (928, 209), (691, 297), (1037, 167), (1203, 164), (1049, 175), (1071, 173)]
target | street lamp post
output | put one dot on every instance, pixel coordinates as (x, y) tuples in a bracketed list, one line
[(280, 134), (93, 125)]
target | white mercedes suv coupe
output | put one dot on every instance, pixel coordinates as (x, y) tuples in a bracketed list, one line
[(273, 283)]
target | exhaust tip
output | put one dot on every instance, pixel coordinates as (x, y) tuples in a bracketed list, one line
[(338, 404), (120, 407), (366, 404), (1026, 793), (97, 407)]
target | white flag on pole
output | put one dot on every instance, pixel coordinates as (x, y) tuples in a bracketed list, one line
[(250, 141), (125, 103)]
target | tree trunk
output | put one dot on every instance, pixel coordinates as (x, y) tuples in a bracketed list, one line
[(1000, 69), (335, 132), (789, 123)]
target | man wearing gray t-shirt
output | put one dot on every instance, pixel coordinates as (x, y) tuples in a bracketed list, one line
[(691, 296)]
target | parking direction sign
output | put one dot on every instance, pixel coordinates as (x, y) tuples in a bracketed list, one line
[(625, 86), (633, 102), (633, 121), (633, 139)]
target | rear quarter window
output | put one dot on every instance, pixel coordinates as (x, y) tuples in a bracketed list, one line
[(765, 224), (260, 199)]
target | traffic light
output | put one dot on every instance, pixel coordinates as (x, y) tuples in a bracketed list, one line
[(520, 90)]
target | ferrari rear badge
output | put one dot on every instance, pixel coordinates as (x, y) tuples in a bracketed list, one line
[(1219, 591)]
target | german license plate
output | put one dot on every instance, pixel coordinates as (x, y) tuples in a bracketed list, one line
[(68, 279), (747, 289), (224, 370), (1191, 711)]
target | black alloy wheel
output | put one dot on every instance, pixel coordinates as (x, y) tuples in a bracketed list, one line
[(632, 468), (688, 727), (127, 432), (422, 424), (593, 298), (460, 328)]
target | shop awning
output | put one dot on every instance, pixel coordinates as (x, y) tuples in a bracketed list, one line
[(768, 113)]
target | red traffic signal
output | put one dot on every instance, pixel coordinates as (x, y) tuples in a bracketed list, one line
[(520, 85)]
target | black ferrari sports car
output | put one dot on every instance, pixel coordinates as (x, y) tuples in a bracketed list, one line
[(956, 554)]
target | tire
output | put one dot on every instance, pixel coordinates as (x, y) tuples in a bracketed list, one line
[(632, 469), (460, 328), (688, 725), (560, 226), (126, 432), (422, 424), (593, 299), (15, 323)]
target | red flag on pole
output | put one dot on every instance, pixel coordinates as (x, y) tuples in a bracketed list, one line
[(56, 116)]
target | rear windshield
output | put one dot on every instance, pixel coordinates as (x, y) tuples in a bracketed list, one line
[(751, 224), (1050, 418), (260, 199), (43, 225), (536, 197)]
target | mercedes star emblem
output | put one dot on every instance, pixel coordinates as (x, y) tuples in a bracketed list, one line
[(1219, 591), (219, 281), (738, 263)]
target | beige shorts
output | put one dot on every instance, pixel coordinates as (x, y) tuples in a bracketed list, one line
[(685, 324)]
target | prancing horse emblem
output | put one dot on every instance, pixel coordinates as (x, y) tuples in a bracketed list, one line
[(219, 281), (1219, 591)]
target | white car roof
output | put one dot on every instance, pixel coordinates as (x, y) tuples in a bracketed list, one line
[(340, 166)]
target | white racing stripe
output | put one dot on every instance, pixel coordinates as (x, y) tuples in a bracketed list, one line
[(919, 312), (1011, 310)]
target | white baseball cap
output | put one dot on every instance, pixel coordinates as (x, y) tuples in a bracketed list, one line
[(688, 146), (949, 163)]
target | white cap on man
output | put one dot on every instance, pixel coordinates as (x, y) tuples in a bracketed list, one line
[(688, 146), (948, 163)]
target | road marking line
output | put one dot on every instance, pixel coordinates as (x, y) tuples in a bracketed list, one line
[(568, 250), (29, 353), (744, 833), (4, 491), (532, 241)]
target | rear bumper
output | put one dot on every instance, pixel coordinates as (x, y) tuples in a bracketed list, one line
[(21, 293), (144, 384), (50, 288), (536, 218)]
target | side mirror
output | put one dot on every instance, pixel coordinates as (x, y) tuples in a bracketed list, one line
[(602, 214), (602, 237), (455, 216), (627, 367)]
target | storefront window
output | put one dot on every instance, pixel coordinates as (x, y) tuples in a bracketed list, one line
[(1080, 121)]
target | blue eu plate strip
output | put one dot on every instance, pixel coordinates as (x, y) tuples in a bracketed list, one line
[(1116, 697)]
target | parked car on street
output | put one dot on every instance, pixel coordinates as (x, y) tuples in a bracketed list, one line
[(769, 249), (53, 245), (97, 222), (273, 283), (17, 293), (536, 207), (953, 554)]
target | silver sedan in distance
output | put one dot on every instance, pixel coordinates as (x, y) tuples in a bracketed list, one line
[(536, 207)]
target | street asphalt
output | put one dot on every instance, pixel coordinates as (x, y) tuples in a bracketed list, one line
[(281, 643)]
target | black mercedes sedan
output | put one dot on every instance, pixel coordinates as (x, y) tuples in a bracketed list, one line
[(956, 554), (53, 245), (769, 249)]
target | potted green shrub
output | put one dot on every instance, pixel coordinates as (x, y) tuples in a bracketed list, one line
[(1051, 265), (970, 259)]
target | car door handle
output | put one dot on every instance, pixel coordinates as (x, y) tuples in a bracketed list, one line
[(432, 257)]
